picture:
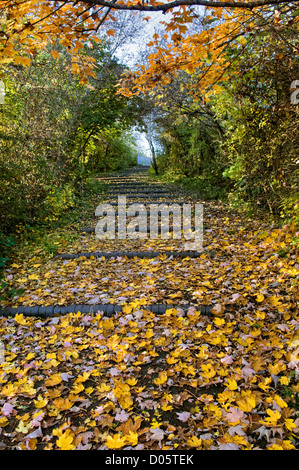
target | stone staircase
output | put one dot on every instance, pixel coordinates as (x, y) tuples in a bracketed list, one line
[(138, 187)]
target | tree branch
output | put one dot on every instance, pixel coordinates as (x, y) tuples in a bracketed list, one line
[(177, 3)]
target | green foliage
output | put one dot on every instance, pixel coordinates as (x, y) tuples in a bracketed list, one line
[(6, 243), (191, 157), (242, 142), (58, 200), (261, 141), (94, 186), (55, 132)]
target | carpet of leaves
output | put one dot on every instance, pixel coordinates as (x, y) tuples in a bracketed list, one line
[(240, 264), (144, 381), (181, 380)]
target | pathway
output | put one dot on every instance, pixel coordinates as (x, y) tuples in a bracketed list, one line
[(137, 186), (138, 345)]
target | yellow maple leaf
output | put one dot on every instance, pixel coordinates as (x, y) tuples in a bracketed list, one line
[(123, 395), (9, 390), (171, 360), (103, 388), (289, 424), (276, 368), (127, 309), (284, 380), (55, 379), (208, 371), (78, 388), (115, 442), (29, 356), (108, 324), (31, 443), (272, 419), (132, 438), (166, 407), (125, 401), (131, 381), (65, 440), (231, 384), (189, 370), (40, 402), (149, 334), (222, 397), (51, 356), (280, 402), (264, 385), (71, 353), (27, 388), (219, 321), (62, 403), (260, 298), (110, 32), (194, 441), (274, 301), (161, 379), (19, 318), (3, 421), (22, 427), (246, 403)]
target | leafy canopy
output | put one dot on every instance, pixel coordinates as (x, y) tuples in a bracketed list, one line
[(31, 24)]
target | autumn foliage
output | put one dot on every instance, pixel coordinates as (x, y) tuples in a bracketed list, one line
[(138, 380), (188, 382), (213, 95)]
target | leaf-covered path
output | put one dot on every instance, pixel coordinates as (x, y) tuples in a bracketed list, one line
[(216, 369)]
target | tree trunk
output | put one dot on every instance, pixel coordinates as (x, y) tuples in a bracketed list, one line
[(154, 159)]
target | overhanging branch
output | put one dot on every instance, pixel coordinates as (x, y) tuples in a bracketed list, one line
[(142, 6)]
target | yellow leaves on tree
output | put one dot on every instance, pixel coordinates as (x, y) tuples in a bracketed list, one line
[(55, 54), (29, 26), (110, 32), (200, 53), (33, 24)]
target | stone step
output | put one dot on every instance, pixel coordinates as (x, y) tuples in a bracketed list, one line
[(147, 202), (148, 229), (107, 309), (138, 184), (124, 179), (137, 191), (146, 197), (132, 254)]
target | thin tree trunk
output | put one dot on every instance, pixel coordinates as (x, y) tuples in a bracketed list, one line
[(154, 159)]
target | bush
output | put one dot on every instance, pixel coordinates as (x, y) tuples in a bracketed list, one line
[(261, 142), (58, 201)]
